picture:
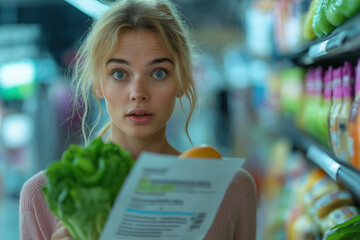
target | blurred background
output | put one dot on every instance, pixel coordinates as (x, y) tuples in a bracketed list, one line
[(252, 69)]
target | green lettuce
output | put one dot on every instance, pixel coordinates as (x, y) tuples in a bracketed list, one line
[(349, 230), (83, 186)]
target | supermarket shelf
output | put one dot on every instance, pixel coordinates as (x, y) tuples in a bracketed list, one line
[(338, 170), (343, 42)]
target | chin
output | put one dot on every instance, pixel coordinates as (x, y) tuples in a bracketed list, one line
[(141, 134)]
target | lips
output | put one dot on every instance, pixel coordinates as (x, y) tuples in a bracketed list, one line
[(139, 116)]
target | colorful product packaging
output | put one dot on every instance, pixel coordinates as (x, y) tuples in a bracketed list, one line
[(325, 108), (348, 96), (335, 110), (354, 122), (315, 103)]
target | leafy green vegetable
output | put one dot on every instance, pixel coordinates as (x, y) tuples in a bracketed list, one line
[(349, 230), (353, 220), (83, 186)]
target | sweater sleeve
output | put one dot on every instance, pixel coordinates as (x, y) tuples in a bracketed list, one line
[(247, 206), (236, 217), (36, 220)]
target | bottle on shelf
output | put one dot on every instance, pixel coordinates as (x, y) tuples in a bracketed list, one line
[(354, 122), (316, 102), (325, 108), (343, 119), (303, 121), (335, 110)]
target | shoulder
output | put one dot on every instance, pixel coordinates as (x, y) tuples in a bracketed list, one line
[(36, 220), (31, 191), (244, 182), (241, 189), (236, 215)]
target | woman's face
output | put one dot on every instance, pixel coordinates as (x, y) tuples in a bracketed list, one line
[(140, 87)]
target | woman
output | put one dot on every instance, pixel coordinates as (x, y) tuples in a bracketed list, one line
[(137, 57)]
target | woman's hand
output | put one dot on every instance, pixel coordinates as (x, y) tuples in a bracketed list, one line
[(61, 233)]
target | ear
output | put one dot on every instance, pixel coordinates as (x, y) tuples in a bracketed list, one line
[(98, 91)]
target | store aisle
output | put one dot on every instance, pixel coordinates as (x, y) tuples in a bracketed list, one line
[(9, 218)]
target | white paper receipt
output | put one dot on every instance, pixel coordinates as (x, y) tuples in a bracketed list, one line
[(165, 197)]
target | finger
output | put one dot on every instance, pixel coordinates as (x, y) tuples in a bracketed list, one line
[(61, 233), (59, 224)]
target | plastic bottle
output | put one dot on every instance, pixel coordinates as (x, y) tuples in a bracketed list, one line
[(354, 122), (326, 106), (314, 109), (335, 110), (291, 90), (299, 115), (343, 120), (309, 94)]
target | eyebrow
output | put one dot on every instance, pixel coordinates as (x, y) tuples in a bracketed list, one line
[(161, 60), (153, 62)]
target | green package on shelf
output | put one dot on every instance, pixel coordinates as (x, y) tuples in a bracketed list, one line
[(321, 24), (334, 14), (340, 10), (308, 31), (348, 7)]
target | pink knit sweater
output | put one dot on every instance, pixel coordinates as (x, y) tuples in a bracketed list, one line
[(235, 219)]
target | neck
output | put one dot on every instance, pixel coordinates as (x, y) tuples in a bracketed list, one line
[(156, 143)]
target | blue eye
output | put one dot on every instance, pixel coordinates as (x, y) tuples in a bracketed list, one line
[(160, 73), (119, 74)]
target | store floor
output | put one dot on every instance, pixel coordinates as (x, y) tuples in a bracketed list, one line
[(9, 218)]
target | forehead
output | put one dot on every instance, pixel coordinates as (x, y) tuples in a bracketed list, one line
[(140, 42)]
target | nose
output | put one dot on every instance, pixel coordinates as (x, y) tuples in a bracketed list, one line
[(139, 91)]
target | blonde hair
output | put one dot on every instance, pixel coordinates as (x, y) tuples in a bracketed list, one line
[(160, 16)]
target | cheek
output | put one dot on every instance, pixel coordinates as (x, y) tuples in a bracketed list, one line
[(167, 100), (112, 92)]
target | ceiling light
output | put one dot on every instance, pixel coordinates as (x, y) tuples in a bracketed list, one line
[(91, 8)]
